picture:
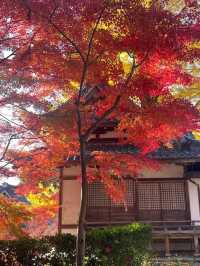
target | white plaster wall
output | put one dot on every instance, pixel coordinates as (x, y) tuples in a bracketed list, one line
[(71, 201), (194, 201), (165, 171), (71, 171)]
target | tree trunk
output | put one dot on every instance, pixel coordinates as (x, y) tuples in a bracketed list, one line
[(80, 244)]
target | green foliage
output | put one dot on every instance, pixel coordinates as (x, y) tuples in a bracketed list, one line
[(125, 245), (114, 246), (56, 250)]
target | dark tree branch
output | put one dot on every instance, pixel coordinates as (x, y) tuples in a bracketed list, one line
[(7, 57), (143, 60), (93, 33), (86, 62), (101, 119), (116, 102), (82, 216)]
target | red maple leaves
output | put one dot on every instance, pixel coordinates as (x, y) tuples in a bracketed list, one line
[(67, 58)]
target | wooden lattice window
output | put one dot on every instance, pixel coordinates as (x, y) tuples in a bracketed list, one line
[(148, 200), (173, 196), (97, 196), (161, 200), (148, 196), (130, 193), (101, 208)]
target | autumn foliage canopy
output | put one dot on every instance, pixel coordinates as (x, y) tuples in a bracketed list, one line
[(110, 60)]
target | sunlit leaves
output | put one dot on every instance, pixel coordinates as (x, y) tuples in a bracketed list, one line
[(127, 62), (13, 215), (196, 134), (175, 6)]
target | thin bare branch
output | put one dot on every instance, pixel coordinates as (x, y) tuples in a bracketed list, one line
[(86, 62), (30, 130), (50, 20), (7, 147), (6, 164), (18, 159), (13, 122), (65, 36), (93, 34), (7, 57), (12, 137), (143, 60)]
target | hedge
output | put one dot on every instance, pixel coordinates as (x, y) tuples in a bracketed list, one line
[(113, 246)]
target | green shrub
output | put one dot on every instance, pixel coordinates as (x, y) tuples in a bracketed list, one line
[(113, 246), (56, 250), (117, 246)]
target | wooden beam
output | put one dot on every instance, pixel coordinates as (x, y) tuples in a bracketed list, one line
[(167, 246), (196, 246), (60, 200)]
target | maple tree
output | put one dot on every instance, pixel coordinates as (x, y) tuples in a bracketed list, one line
[(81, 63), (17, 219), (24, 219)]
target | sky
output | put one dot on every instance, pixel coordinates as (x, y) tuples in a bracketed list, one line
[(14, 180), (8, 113)]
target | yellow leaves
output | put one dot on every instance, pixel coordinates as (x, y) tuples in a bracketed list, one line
[(147, 3), (160, 99), (74, 84), (111, 28), (127, 62), (175, 6), (196, 134), (43, 198), (191, 93), (48, 190), (193, 45), (61, 100), (193, 69), (111, 82)]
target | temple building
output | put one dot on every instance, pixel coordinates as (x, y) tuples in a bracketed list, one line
[(168, 199)]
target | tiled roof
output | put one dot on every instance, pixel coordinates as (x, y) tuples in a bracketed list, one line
[(186, 148), (191, 153), (113, 148)]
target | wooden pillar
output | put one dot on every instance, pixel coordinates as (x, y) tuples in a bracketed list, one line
[(167, 246), (196, 245)]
